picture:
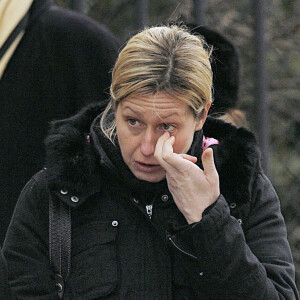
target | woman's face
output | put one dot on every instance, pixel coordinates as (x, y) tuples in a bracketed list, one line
[(141, 120)]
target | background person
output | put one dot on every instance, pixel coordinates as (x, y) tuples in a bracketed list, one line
[(58, 62), (226, 76), (155, 213), (225, 66)]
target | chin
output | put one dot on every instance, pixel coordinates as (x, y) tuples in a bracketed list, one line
[(154, 178)]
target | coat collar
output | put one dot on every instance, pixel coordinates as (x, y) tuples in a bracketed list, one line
[(237, 158), (73, 164)]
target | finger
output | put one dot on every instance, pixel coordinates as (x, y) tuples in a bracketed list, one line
[(167, 147), (208, 162), (188, 157), (158, 147), (173, 160)]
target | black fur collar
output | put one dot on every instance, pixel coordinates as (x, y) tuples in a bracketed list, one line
[(73, 164)]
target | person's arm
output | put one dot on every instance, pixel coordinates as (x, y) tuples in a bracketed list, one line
[(5, 291), (26, 244), (233, 261), (220, 257)]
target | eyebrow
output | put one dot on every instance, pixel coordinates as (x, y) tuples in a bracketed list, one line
[(160, 116)]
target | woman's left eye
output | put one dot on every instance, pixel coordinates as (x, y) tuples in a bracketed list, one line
[(167, 127)]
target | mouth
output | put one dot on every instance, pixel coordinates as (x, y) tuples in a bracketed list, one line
[(145, 167)]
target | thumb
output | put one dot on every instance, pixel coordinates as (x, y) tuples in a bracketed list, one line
[(208, 162)]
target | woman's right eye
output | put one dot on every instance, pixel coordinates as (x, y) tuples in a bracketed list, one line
[(133, 122)]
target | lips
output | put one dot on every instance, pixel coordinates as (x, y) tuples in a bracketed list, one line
[(145, 167)]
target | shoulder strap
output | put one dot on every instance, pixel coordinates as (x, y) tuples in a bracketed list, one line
[(21, 26), (59, 241)]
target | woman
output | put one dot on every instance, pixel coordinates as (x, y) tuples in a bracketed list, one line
[(149, 217)]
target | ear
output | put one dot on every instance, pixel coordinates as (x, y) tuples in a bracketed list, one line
[(200, 122)]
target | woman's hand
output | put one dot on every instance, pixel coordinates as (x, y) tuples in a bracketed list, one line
[(193, 190)]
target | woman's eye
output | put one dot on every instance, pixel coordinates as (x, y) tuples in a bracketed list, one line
[(133, 122), (167, 127)]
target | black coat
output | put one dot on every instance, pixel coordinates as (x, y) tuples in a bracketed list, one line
[(239, 250), (5, 292), (61, 64)]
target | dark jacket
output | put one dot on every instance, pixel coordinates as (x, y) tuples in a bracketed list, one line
[(239, 250), (5, 292), (61, 64)]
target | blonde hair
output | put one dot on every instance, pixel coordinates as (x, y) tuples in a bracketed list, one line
[(162, 59)]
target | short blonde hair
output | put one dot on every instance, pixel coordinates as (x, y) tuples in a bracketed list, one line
[(162, 59)]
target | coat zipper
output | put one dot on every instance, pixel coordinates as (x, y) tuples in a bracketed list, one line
[(191, 255), (149, 209)]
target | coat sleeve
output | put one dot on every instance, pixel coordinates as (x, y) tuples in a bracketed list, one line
[(26, 244), (233, 261), (5, 291)]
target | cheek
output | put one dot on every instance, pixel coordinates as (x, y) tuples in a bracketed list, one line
[(183, 143)]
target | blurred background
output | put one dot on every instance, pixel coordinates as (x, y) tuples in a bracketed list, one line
[(267, 36)]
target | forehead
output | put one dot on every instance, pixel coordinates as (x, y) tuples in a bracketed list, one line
[(160, 104)]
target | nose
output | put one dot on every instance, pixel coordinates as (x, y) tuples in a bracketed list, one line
[(148, 143)]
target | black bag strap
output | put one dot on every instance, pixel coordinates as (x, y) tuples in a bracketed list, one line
[(59, 241), (21, 26)]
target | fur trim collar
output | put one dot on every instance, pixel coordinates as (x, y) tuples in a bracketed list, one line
[(73, 164)]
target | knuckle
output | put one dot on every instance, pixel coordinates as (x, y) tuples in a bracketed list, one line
[(184, 171)]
